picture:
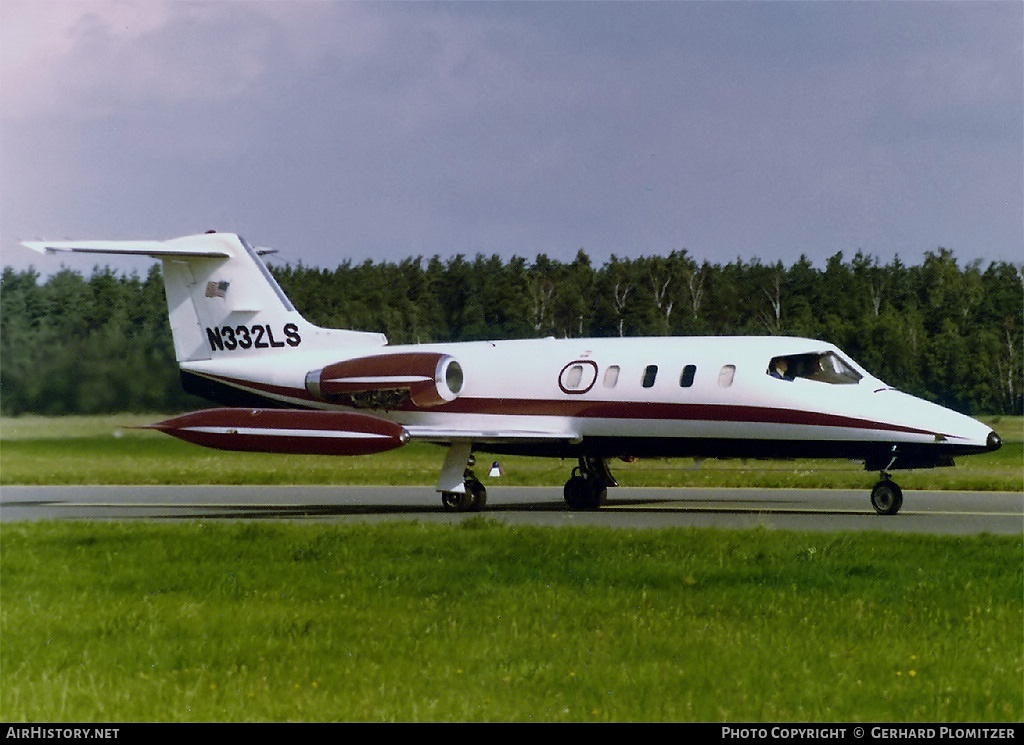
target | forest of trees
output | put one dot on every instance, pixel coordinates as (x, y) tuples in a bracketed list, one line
[(951, 334)]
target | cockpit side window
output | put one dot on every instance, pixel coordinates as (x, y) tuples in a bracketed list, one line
[(825, 367)]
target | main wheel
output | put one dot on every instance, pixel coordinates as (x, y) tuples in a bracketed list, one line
[(477, 495), (473, 499), (582, 493), (886, 497), (456, 501)]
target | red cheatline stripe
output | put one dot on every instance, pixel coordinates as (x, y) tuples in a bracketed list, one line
[(622, 410)]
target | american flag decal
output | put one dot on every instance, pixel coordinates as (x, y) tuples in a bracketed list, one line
[(217, 289)]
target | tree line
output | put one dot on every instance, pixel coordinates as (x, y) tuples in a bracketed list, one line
[(950, 334)]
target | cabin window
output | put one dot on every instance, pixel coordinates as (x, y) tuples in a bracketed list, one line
[(578, 377), (686, 379), (726, 375), (611, 376), (650, 373), (825, 367)]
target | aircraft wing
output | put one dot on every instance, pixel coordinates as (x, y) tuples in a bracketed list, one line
[(442, 435), (326, 432)]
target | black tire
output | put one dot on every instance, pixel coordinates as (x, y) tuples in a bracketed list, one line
[(473, 499), (886, 497), (584, 494), (477, 495), (455, 501)]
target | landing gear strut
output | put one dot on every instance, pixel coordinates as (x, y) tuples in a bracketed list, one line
[(886, 496), (587, 488), (461, 490)]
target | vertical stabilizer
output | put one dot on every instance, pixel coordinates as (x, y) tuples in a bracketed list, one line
[(222, 299)]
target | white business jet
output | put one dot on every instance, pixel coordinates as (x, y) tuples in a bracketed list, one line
[(290, 386)]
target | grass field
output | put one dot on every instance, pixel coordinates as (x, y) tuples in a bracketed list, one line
[(479, 621), (229, 621)]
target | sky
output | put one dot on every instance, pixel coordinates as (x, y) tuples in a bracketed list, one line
[(352, 131)]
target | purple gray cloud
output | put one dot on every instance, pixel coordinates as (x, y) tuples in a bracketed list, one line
[(337, 130)]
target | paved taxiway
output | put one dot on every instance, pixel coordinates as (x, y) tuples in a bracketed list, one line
[(945, 512)]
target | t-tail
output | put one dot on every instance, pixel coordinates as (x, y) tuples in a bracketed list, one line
[(222, 299)]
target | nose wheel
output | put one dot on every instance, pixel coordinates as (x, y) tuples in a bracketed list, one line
[(886, 496)]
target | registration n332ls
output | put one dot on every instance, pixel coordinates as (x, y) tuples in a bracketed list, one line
[(286, 385)]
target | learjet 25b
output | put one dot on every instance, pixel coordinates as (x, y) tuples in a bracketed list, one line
[(290, 386)]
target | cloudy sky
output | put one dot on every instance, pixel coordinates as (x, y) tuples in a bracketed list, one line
[(353, 130)]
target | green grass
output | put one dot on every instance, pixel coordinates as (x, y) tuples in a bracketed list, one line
[(106, 450), (479, 621), (142, 621)]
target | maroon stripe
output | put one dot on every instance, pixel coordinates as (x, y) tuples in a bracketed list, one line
[(577, 408), (667, 412)]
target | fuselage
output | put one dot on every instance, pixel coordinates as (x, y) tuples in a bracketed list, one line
[(641, 397)]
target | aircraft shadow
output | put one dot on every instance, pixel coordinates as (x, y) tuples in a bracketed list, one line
[(314, 511)]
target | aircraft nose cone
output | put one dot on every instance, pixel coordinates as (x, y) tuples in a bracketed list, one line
[(993, 442)]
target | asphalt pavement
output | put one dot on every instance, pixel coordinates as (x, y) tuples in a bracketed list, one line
[(937, 512)]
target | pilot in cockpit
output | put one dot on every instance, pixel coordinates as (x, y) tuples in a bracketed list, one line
[(780, 369), (821, 367)]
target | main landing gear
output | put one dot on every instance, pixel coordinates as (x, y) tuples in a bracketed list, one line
[(461, 490), (587, 488), (886, 496), (473, 499)]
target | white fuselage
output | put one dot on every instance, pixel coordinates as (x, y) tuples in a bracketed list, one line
[(643, 397)]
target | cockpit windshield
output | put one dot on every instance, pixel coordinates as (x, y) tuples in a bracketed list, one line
[(824, 367)]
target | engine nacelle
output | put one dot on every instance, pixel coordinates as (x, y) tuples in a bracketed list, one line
[(386, 381)]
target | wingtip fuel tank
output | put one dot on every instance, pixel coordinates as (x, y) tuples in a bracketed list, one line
[(286, 431)]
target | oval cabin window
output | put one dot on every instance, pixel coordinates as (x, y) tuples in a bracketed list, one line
[(578, 377)]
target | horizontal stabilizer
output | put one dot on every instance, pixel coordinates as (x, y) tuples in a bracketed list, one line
[(156, 249)]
